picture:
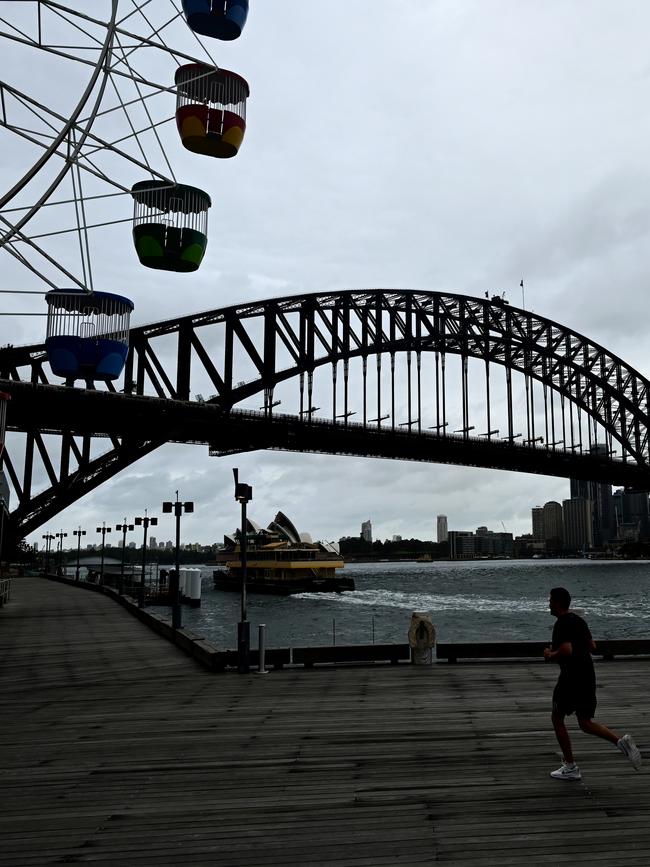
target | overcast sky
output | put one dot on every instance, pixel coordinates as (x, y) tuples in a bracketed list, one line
[(443, 145)]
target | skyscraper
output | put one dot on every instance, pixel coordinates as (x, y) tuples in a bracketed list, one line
[(538, 524), (631, 512), (600, 494), (553, 525), (442, 529), (366, 531), (578, 523)]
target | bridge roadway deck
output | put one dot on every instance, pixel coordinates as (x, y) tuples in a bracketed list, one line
[(117, 749)]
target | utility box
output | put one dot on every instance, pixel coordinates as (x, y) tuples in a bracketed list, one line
[(422, 638)]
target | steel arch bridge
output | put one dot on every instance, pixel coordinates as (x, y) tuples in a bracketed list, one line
[(447, 364)]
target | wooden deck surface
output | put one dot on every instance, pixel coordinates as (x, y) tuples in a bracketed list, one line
[(118, 749)]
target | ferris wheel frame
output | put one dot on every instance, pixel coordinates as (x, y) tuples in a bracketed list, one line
[(72, 135), (100, 68)]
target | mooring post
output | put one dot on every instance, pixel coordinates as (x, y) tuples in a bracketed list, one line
[(261, 669)]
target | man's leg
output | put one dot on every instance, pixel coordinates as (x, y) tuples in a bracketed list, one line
[(600, 731), (562, 736)]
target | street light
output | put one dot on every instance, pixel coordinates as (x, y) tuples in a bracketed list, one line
[(243, 495), (177, 508), (124, 528), (103, 530), (49, 538), (78, 533), (144, 522), (60, 536)]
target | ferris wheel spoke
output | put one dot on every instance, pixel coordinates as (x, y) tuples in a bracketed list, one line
[(145, 108), (97, 77), (58, 202), (27, 264), (69, 231), (82, 229), (135, 11), (154, 31), (14, 232), (139, 39), (197, 38), (78, 154)]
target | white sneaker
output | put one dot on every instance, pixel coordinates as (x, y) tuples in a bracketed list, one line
[(567, 772), (629, 749)]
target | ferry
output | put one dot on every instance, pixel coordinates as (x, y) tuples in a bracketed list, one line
[(280, 560)]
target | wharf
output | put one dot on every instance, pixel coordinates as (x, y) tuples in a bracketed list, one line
[(119, 749)]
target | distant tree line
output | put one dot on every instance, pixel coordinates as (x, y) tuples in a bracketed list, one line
[(355, 546)]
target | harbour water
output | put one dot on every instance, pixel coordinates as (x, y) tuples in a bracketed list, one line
[(499, 600)]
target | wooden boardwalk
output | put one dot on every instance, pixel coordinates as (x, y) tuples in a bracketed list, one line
[(118, 749)]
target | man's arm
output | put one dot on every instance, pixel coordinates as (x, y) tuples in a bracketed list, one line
[(565, 649)]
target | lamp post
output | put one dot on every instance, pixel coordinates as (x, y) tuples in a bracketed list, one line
[(60, 536), (174, 586), (78, 533), (49, 538), (124, 528), (144, 522), (243, 495), (103, 530)]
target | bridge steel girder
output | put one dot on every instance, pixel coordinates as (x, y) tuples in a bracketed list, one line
[(340, 326), (312, 331), (79, 414)]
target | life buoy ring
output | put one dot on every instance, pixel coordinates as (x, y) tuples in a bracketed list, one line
[(422, 632)]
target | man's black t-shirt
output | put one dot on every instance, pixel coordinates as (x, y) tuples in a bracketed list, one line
[(578, 667)]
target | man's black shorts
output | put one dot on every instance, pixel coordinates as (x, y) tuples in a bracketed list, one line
[(569, 698)]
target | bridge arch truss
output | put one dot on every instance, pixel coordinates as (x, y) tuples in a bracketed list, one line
[(430, 370)]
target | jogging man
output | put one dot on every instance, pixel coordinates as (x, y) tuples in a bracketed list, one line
[(575, 691)]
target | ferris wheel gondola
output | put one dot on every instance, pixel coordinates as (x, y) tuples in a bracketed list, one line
[(220, 19), (87, 334), (170, 225), (210, 109)]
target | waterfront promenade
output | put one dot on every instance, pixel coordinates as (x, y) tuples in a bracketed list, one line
[(119, 749)]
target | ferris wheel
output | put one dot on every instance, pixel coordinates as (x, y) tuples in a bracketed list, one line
[(91, 95)]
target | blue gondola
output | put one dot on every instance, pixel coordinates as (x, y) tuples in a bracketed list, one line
[(221, 19), (87, 334)]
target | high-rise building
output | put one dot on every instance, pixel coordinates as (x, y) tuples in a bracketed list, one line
[(578, 523), (484, 543), (553, 525), (152, 542), (442, 529), (600, 494), (366, 531), (462, 544), (631, 516), (538, 524)]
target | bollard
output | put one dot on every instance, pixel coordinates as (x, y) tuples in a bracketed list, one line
[(193, 588), (262, 650)]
